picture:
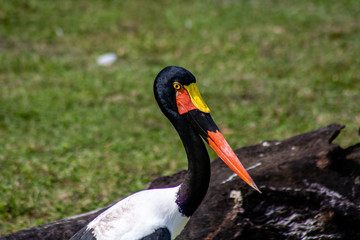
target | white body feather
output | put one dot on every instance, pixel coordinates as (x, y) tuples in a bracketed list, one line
[(139, 215)]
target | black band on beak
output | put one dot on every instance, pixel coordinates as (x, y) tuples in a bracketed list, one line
[(202, 122)]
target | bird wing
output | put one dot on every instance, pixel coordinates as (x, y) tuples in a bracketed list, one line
[(144, 215)]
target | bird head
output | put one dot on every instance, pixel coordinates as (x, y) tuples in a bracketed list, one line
[(179, 97)]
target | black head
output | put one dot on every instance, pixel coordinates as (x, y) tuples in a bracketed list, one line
[(164, 90), (179, 99)]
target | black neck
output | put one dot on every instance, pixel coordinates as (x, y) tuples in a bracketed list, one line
[(193, 190)]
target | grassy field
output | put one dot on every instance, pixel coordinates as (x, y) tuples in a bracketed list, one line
[(75, 136)]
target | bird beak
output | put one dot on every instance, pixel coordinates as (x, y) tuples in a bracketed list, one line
[(208, 130), (191, 105)]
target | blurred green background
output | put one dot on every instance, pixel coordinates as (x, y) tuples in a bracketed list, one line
[(76, 136)]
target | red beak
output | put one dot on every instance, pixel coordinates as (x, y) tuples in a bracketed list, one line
[(208, 130), (218, 143), (191, 105)]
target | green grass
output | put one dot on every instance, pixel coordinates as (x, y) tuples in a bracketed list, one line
[(75, 136)]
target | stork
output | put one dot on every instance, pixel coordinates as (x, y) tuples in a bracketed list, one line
[(161, 214)]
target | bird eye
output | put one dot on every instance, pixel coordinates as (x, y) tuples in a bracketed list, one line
[(177, 85)]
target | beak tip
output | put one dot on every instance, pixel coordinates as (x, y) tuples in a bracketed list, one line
[(253, 185)]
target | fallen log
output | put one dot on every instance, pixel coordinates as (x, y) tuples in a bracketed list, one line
[(310, 190)]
